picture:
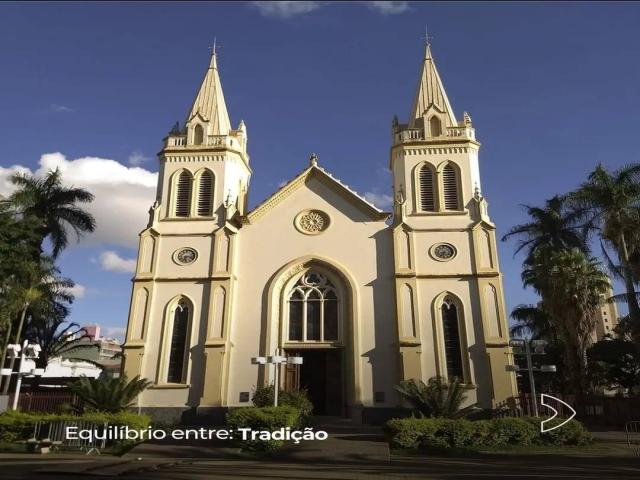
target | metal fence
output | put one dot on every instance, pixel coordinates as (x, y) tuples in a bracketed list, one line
[(47, 401), (600, 409)]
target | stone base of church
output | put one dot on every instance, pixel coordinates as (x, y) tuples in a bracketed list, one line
[(379, 415), (171, 415)]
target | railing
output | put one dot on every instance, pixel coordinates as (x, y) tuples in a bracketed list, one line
[(45, 401), (412, 134), (210, 141)]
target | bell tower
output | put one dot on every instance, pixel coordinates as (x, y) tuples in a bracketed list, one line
[(450, 305), (179, 322)]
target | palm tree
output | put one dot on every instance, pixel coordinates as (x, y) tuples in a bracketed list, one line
[(36, 288), (572, 286), (58, 339), (54, 206), (109, 395), (532, 320), (610, 202), (437, 398), (552, 226)]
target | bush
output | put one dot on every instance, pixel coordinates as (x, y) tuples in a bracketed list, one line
[(299, 399), (572, 433), (263, 419), (512, 431), (17, 425), (438, 433)]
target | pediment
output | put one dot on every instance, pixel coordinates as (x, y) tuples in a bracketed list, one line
[(317, 174)]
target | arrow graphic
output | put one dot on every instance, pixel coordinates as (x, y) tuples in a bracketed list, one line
[(555, 413)]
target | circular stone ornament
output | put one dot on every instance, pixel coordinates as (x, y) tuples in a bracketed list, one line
[(312, 222), (185, 256), (443, 252)]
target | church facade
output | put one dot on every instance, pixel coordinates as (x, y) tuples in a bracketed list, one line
[(367, 298)]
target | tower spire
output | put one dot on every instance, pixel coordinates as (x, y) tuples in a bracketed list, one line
[(430, 93), (209, 104)]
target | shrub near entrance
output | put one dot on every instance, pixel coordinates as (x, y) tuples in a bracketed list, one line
[(262, 419), (438, 433)]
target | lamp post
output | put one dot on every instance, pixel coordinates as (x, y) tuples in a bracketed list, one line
[(538, 349), (27, 351), (276, 359)]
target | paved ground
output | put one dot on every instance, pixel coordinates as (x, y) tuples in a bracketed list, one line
[(349, 453)]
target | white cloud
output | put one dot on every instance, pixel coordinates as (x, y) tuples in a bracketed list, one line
[(285, 9), (78, 291), (137, 157), (282, 183), (389, 8), (290, 9), (113, 262), (380, 200), (115, 332), (123, 194), (57, 108)]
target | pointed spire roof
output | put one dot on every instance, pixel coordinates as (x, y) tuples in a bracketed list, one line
[(209, 103), (430, 91)]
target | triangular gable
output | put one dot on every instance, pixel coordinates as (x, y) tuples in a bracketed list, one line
[(325, 177)]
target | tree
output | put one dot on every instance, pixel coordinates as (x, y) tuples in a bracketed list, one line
[(58, 339), (35, 288), (54, 206), (610, 202), (109, 395), (553, 226), (437, 398), (534, 321), (572, 286), (615, 363)]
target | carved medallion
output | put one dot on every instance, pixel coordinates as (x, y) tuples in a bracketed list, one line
[(312, 222)]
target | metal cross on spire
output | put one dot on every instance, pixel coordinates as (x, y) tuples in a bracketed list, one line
[(214, 47), (427, 39)]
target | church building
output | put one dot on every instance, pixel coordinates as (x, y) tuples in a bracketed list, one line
[(366, 297)]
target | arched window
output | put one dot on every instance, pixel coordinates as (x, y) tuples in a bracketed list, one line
[(183, 195), (450, 188), (427, 192), (198, 135), (205, 194), (178, 344), (435, 126), (451, 334), (313, 310)]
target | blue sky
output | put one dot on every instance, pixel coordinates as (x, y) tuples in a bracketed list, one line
[(553, 89)]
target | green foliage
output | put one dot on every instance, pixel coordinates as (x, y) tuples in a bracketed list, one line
[(263, 419), (299, 399), (437, 398), (54, 206), (17, 425), (109, 395), (572, 433), (615, 363), (513, 431), (439, 433)]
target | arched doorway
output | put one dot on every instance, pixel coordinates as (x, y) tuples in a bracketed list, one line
[(314, 318)]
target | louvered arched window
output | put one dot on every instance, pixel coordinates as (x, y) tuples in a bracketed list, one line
[(427, 191), (435, 126), (183, 195), (205, 194), (451, 333), (450, 188)]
